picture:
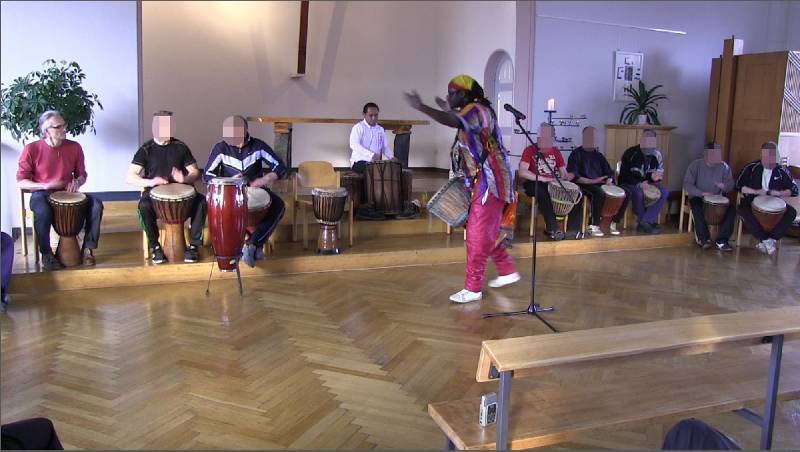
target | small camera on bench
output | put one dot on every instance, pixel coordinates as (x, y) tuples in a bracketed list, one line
[(488, 411)]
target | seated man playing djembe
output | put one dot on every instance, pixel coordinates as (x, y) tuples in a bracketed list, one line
[(543, 176), (641, 171), (241, 155), (160, 161), (770, 181), (706, 178), (53, 164)]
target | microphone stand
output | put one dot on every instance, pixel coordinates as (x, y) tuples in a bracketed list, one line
[(533, 308)]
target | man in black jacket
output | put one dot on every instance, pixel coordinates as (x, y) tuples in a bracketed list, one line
[(642, 165), (766, 177)]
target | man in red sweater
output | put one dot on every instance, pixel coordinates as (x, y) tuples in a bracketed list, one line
[(52, 164)]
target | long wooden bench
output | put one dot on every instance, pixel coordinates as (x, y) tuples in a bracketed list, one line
[(649, 386)]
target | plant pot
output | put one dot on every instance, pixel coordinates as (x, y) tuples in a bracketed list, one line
[(642, 120)]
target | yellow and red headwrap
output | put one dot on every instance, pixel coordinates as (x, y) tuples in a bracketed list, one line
[(461, 83)]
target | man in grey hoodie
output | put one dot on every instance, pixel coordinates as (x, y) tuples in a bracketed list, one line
[(710, 176)]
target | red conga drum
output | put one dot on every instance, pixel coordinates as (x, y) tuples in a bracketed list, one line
[(227, 220), (614, 197), (258, 202), (173, 205), (384, 185), (69, 216), (328, 206)]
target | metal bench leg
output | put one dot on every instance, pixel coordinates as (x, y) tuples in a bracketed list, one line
[(503, 403), (772, 392)]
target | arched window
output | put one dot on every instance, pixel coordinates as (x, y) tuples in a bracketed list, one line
[(499, 77)]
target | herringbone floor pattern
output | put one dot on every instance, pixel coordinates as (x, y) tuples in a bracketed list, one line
[(340, 359)]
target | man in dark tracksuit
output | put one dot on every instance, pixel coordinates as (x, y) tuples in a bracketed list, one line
[(241, 155), (766, 177)]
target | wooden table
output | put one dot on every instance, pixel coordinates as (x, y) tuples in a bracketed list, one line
[(283, 132)]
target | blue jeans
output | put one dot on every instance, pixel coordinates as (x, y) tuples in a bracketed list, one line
[(645, 215)]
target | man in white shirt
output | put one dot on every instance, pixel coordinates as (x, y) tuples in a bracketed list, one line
[(368, 140)]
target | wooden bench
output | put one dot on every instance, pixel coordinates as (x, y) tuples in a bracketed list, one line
[(649, 387)]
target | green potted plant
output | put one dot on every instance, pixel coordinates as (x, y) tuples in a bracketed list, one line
[(645, 102), (57, 87)]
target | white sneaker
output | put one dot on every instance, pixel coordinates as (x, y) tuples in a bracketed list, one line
[(595, 231), (771, 246), (505, 280), (762, 246), (613, 229), (465, 296)]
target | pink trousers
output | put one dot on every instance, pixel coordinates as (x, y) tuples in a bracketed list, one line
[(483, 227)]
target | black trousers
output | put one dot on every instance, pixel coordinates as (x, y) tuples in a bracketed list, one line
[(752, 225), (43, 221), (360, 167), (546, 207), (30, 434), (267, 226), (148, 219), (701, 227)]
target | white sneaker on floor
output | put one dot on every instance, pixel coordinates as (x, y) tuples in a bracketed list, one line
[(595, 231), (762, 246), (505, 280), (465, 296), (613, 229), (771, 246)]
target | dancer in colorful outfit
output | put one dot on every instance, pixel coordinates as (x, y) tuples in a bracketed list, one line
[(485, 163)]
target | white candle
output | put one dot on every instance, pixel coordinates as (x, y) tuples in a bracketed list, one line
[(551, 104)]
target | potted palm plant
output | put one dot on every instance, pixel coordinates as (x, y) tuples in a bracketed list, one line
[(56, 87), (643, 107)]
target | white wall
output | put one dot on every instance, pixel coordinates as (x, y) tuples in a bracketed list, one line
[(792, 30), (205, 61), (468, 34), (573, 61), (101, 37)]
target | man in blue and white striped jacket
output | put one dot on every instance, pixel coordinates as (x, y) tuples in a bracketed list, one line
[(241, 155)]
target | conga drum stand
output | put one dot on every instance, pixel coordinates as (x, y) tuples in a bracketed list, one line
[(533, 308), (238, 277)]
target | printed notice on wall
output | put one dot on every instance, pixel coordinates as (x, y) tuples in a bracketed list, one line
[(627, 72)]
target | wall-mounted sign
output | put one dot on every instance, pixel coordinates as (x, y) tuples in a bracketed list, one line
[(627, 72)]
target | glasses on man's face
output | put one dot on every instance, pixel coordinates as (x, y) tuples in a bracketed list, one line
[(61, 126)]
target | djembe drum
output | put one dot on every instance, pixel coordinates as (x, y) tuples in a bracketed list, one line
[(173, 206), (768, 211), (563, 201), (328, 204), (651, 195), (384, 185), (258, 202), (451, 203), (354, 183), (614, 198), (714, 208), (227, 220), (69, 216)]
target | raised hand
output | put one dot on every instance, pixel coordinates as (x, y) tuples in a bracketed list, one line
[(413, 99), (177, 175)]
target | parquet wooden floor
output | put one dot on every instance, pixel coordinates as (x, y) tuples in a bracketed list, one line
[(345, 359)]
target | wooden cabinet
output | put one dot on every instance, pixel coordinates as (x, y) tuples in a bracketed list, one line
[(764, 105), (619, 137)]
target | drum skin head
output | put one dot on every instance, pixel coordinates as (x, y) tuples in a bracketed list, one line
[(172, 191), (65, 197), (769, 204), (335, 192), (228, 181), (613, 191), (257, 198), (716, 199)]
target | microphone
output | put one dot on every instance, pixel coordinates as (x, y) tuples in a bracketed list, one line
[(517, 114)]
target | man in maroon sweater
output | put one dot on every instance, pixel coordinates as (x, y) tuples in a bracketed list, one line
[(52, 164)]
